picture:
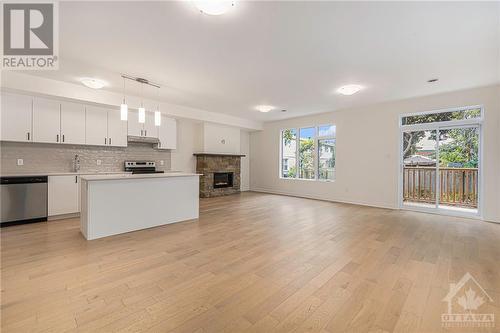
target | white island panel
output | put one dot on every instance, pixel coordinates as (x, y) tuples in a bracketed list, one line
[(113, 205)]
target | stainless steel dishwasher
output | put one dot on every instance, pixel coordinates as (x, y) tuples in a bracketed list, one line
[(23, 200)]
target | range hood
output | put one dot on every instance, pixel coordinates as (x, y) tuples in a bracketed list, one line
[(142, 139)]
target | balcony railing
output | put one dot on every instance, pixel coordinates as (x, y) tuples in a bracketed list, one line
[(458, 186)]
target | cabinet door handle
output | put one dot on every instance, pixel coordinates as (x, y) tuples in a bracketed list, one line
[(57, 138), (141, 132), (105, 141), (109, 140), (63, 137), (76, 179), (28, 136), (145, 132)]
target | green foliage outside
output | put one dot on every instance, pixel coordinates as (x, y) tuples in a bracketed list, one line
[(462, 149)]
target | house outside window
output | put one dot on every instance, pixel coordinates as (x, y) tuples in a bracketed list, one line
[(308, 153)]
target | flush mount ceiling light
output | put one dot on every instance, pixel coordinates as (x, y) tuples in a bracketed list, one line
[(349, 89), (93, 83), (214, 7), (264, 108)]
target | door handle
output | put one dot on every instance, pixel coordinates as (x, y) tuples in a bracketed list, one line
[(57, 138), (109, 140), (63, 137), (105, 141)]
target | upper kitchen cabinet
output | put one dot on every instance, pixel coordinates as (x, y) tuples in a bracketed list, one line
[(72, 123), (134, 127), (16, 117), (117, 129), (147, 129), (167, 133), (46, 120), (150, 130), (96, 127), (105, 128)]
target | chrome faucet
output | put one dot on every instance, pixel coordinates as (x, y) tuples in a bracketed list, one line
[(76, 163)]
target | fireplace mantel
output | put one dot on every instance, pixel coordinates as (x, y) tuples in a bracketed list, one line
[(218, 154)]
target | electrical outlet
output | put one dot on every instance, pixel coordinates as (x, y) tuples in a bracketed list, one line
[(99, 162), (162, 162), (20, 161)]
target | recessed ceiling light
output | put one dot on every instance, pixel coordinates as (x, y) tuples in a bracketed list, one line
[(349, 89), (264, 108), (214, 7), (432, 80), (93, 83)]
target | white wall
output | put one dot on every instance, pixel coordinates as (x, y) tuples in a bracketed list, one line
[(245, 161), (191, 139), (368, 151), (221, 139), (188, 142)]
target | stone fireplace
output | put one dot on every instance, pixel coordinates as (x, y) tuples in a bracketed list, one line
[(221, 174)]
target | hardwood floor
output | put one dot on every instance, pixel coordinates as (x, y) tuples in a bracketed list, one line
[(252, 263)]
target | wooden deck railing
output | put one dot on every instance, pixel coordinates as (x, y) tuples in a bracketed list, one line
[(458, 186)]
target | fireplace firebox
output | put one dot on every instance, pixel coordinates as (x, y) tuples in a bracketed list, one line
[(223, 179)]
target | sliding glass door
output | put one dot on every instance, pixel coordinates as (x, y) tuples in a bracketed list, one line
[(459, 168), (440, 161)]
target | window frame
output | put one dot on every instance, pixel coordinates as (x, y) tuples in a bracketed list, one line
[(316, 154)]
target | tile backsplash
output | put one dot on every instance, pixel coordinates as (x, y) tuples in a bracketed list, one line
[(40, 157)]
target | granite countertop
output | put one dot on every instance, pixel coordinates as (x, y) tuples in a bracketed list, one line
[(137, 176)]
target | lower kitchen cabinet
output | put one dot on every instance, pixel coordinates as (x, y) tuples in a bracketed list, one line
[(63, 195)]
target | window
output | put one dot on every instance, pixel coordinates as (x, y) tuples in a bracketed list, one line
[(289, 153), (306, 153), (441, 116), (313, 157)]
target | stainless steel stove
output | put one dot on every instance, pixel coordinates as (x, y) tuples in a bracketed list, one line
[(137, 167)]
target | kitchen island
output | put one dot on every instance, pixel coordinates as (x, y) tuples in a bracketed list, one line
[(116, 204)]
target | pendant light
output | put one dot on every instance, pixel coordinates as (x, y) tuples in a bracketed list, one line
[(157, 112), (123, 106), (142, 110)]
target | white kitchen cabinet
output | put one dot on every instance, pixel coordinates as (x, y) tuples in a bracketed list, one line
[(63, 195), (16, 117), (148, 129), (72, 123), (105, 128), (117, 129), (46, 120), (167, 133), (134, 127), (96, 127)]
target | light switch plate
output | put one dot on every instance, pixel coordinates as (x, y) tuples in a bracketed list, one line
[(20, 161), (99, 162)]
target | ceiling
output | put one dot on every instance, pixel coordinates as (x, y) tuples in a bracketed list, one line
[(292, 55)]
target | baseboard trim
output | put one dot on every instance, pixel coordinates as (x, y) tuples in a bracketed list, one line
[(315, 197), (63, 216)]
